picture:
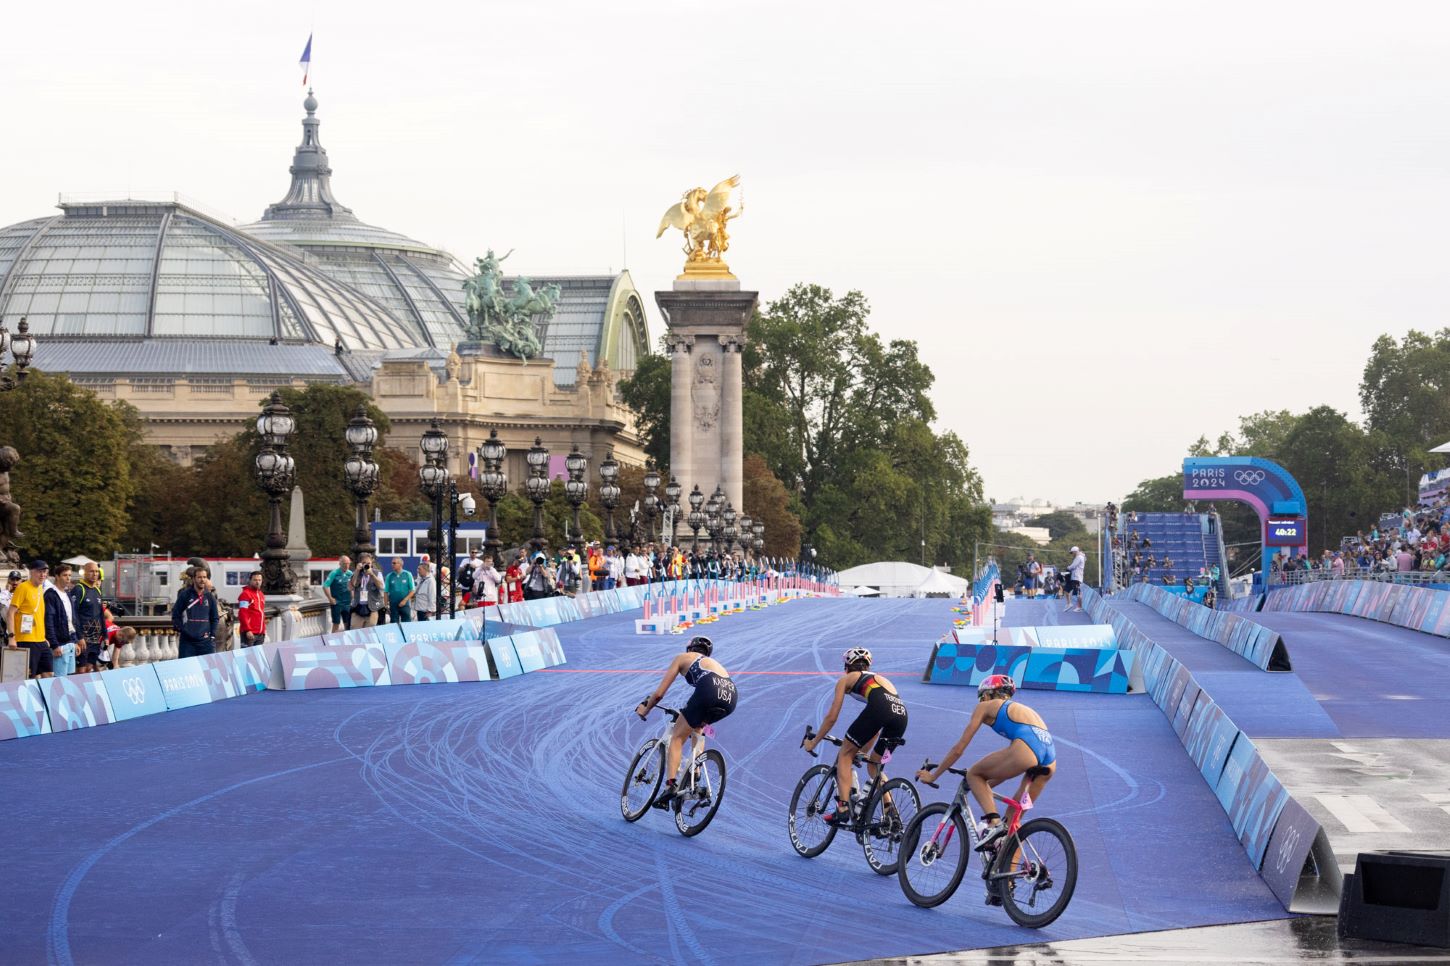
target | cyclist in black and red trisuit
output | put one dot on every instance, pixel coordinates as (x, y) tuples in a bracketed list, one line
[(883, 717), (713, 699)]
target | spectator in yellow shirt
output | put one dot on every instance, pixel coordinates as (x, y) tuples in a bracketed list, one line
[(26, 617)]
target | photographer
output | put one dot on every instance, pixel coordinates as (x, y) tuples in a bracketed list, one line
[(367, 592)]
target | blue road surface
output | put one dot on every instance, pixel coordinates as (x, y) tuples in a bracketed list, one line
[(479, 823)]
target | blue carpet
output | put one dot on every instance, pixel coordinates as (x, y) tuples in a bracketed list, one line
[(1375, 680), (1041, 613), (479, 823)]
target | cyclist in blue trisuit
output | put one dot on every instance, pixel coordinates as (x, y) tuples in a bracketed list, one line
[(712, 700), (883, 717), (1031, 749)]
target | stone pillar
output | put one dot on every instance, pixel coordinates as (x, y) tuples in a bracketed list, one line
[(706, 319), (732, 429), (681, 450)]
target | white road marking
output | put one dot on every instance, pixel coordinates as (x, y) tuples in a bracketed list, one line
[(1360, 813)]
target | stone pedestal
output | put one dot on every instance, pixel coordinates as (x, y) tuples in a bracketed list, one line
[(706, 322)]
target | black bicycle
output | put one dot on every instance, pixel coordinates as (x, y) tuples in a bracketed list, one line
[(1031, 871), (879, 817)]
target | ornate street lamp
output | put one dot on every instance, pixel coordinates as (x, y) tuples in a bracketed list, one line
[(361, 474), (433, 479), (609, 493), (672, 496), (728, 517), (696, 519), (275, 475), (494, 483), (577, 490), (714, 507), (21, 347), (537, 488), (651, 497), (759, 529), (745, 533)]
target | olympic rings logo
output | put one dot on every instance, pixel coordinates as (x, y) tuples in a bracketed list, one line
[(1250, 477), (1287, 849), (135, 690)]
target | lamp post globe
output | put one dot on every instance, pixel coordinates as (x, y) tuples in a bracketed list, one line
[(494, 484), (276, 473), (672, 497), (651, 496), (537, 488), (576, 490), (696, 518), (609, 493), (361, 475), (21, 347), (433, 478)]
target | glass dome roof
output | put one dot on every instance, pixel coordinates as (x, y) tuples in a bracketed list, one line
[(163, 270)]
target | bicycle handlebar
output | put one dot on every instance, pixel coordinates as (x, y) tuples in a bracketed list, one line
[(811, 734), (672, 712), (928, 765)]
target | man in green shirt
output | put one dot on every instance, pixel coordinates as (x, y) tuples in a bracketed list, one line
[(338, 588), (400, 587)]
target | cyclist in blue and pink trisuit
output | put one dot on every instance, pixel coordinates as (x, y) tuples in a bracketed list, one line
[(883, 717), (1030, 749)]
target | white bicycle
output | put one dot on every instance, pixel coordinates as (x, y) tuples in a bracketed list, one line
[(700, 784)]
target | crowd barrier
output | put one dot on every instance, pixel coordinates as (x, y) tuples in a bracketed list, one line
[(1052, 635), (1248, 639), (1247, 604), (1103, 670), (1286, 846), (520, 640), (1403, 605)]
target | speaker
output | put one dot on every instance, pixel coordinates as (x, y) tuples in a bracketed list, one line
[(1398, 897)]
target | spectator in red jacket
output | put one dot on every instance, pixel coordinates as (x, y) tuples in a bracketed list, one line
[(252, 611)]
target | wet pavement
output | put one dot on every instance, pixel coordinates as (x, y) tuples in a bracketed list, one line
[(1306, 939)]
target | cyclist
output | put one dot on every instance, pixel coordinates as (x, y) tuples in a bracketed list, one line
[(713, 700), (1030, 752), (883, 717)]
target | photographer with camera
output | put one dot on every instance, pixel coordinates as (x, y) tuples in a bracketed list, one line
[(367, 592)]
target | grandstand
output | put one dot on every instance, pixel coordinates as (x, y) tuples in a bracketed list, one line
[(1193, 542)]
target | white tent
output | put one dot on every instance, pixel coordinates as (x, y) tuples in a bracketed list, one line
[(895, 578), (80, 560), (938, 584), (863, 591), (1442, 448)]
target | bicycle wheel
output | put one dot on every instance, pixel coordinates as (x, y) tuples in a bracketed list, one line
[(642, 781), (935, 851), (1036, 873), (893, 806), (815, 795), (697, 806)]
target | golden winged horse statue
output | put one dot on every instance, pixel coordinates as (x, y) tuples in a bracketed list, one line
[(703, 216)]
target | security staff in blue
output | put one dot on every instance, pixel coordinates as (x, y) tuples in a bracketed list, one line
[(195, 616)]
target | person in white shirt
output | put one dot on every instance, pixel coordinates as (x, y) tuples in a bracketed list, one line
[(616, 567), (633, 568), (486, 581), (1074, 578), (425, 595)]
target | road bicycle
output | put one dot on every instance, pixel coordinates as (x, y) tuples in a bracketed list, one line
[(879, 816), (700, 783), (1031, 871)]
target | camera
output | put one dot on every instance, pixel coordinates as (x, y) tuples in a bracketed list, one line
[(467, 504)]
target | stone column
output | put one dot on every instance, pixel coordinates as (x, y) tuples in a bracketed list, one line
[(681, 449), (706, 437), (732, 430)]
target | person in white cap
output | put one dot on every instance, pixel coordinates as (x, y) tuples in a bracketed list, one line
[(1074, 578)]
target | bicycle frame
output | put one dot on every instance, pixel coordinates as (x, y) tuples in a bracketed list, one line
[(863, 793), (697, 746)]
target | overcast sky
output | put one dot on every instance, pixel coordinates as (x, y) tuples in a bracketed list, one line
[(1111, 226)]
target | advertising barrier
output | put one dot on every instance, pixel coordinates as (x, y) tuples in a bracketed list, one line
[(307, 667), (183, 682), (134, 691), (76, 701), (1247, 638), (437, 662), (1416, 608), (22, 710), (1098, 670), (503, 658)]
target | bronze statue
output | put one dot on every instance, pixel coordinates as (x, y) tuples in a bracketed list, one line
[(509, 321), (10, 535)]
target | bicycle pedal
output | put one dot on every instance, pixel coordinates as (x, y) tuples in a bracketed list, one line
[(993, 900)]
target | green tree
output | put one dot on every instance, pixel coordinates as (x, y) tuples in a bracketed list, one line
[(1162, 494), (1405, 395), (74, 481), (647, 392), (1059, 523)]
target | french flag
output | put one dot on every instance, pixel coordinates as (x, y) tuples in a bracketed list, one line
[(306, 62)]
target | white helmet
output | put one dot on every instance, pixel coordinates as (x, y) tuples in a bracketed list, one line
[(856, 655)]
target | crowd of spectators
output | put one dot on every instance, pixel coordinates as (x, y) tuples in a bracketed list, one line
[(1134, 559), (1416, 540), (60, 620)]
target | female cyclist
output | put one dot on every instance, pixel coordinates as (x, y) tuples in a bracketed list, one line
[(1030, 752), (713, 699), (883, 717)]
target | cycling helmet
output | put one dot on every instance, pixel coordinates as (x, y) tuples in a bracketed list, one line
[(1000, 683), (701, 644), (857, 655)]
